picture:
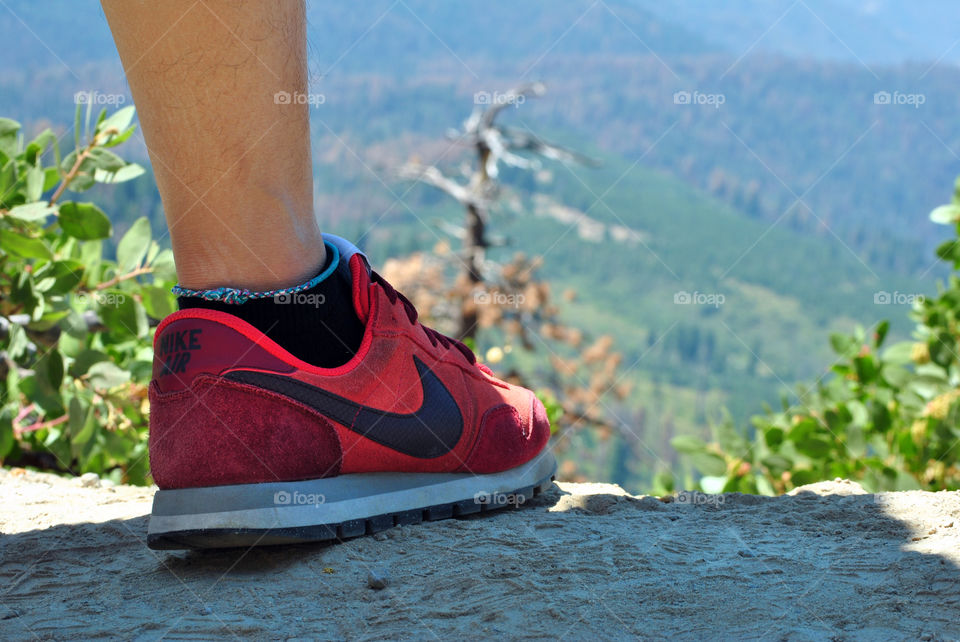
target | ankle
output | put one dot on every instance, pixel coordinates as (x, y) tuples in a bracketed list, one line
[(313, 320), (281, 268)]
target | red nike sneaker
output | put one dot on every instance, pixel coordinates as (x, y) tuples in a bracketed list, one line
[(249, 445)]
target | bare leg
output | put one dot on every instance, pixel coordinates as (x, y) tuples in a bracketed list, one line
[(232, 163)]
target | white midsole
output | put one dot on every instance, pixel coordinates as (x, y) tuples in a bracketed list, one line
[(318, 511)]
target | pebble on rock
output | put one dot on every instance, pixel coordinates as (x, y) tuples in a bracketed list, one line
[(89, 480), (378, 578)]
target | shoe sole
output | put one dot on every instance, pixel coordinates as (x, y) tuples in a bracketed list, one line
[(335, 508)]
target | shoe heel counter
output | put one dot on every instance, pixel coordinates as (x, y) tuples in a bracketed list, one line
[(208, 431), (218, 432)]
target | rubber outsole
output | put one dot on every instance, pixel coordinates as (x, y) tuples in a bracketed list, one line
[(242, 537), (239, 537)]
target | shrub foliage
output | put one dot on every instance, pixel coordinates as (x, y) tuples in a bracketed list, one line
[(886, 416), (75, 324)]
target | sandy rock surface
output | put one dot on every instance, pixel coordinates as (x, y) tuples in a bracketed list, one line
[(829, 562)]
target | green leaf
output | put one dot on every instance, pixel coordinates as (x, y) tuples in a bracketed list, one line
[(104, 159), (54, 368), (82, 364), (87, 113), (713, 484), (91, 255), (906, 481), (133, 246), (82, 422), (899, 353), (106, 374), (708, 463), (777, 463), (880, 333), (858, 413), (774, 437), (33, 211), (44, 284), (152, 252), (764, 487), (942, 348), (804, 477), (866, 368), (163, 266), (159, 302), (856, 442), (8, 127), (18, 341), (51, 176), (47, 377), (895, 376), (24, 246), (78, 123), (688, 444), (6, 433), (113, 141), (119, 120), (8, 177), (803, 429), (949, 250), (126, 173), (844, 344), (74, 327), (37, 146), (66, 164), (122, 314), (880, 416), (8, 136), (933, 373), (82, 183), (84, 221), (945, 214), (66, 275), (34, 184)]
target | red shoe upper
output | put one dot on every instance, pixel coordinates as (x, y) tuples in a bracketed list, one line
[(230, 406)]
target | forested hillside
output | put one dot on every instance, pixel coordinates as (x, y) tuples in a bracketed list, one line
[(791, 194)]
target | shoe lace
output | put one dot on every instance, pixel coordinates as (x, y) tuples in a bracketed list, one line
[(436, 338)]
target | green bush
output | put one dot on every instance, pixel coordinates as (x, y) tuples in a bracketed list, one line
[(888, 417), (75, 326)]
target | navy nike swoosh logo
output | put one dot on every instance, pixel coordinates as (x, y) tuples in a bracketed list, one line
[(432, 431)]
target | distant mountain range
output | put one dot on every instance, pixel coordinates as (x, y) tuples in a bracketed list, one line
[(872, 32)]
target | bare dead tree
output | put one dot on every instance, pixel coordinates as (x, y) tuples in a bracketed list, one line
[(478, 188)]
